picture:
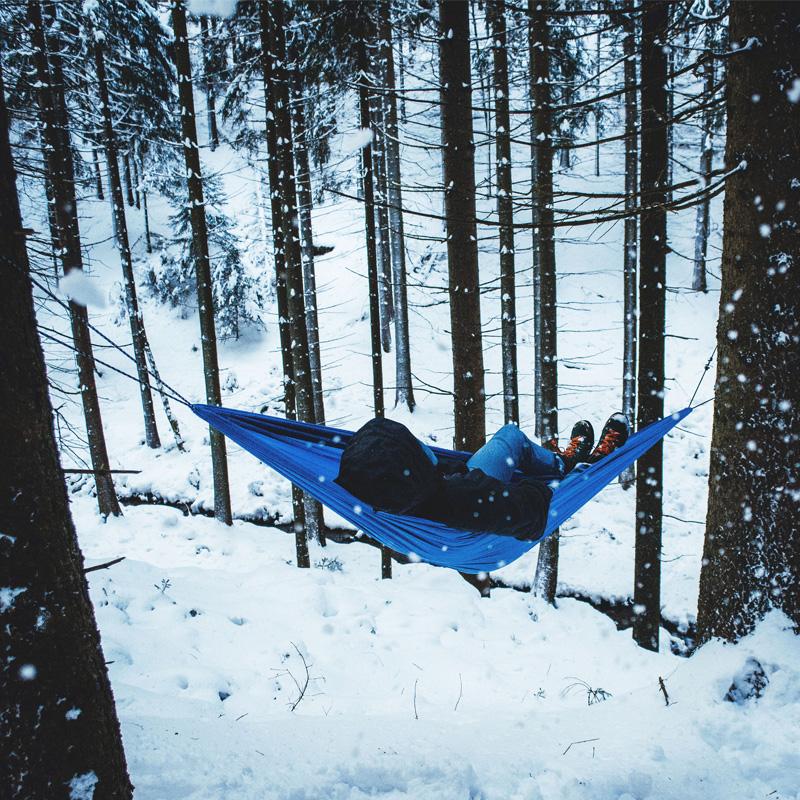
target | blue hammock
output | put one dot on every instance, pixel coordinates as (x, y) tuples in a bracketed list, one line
[(308, 455)]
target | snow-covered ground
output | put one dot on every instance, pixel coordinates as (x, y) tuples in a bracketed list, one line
[(417, 688)]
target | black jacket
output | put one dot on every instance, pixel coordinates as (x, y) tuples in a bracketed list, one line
[(385, 466)]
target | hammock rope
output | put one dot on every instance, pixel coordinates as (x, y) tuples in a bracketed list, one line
[(308, 455)]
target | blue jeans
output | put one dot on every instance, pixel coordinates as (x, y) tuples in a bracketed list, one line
[(509, 450)]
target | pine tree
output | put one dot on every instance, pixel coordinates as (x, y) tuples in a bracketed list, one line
[(751, 556), (652, 290), (205, 303), (60, 727), (460, 214)]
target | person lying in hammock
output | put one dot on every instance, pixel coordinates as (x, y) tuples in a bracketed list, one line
[(386, 466)]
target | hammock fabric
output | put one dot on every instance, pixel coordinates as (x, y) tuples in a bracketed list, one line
[(308, 455)]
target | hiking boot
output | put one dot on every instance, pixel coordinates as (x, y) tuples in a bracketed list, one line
[(580, 445), (614, 435)]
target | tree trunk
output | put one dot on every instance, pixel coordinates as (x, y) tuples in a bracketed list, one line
[(462, 234), (59, 722), (404, 391), (205, 302), (146, 214), (751, 557), (276, 210), (630, 277), (372, 255), (652, 280), (138, 334), (495, 14), (98, 178), (127, 176), (305, 204), (272, 16), (136, 180), (208, 86), (61, 174), (483, 87), (699, 279), (544, 265)]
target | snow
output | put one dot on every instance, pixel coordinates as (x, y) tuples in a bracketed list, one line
[(217, 8), (81, 787), (7, 596), (357, 140), (78, 287)]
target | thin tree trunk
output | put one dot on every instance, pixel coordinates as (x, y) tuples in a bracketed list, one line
[(462, 234), (699, 278), (751, 555), (127, 177), (208, 86), (205, 302), (61, 173), (276, 209), (147, 238), (652, 280), (401, 72), (98, 178), (544, 265), (364, 101), (173, 422), (404, 391), (52, 659), (273, 17), (597, 107), (484, 90), (136, 179), (305, 204), (138, 334), (630, 276), (495, 13)]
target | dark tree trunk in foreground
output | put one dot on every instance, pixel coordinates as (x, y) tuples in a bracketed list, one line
[(52, 662), (652, 280), (276, 211), (462, 234), (205, 302), (61, 175), (272, 17), (208, 85), (544, 265), (751, 557), (630, 276), (699, 278), (372, 250), (404, 392), (138, 335), (495, 13)]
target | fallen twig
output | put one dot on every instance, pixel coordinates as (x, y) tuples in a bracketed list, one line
[(663, 687), (582, 741), (105, 565)]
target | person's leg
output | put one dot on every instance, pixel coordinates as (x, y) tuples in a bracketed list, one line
[(510, 449)]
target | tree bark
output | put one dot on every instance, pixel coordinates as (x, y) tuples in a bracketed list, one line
[(273, 18), (461, 227), (495, 13), (59, 723), (630, 276), (699, 277), (138, 334), (205, 302), (751, 556), (652, 280), (126, 162), (61, 174), (98, 178), (404, 391), (544, 265), (208, 86)]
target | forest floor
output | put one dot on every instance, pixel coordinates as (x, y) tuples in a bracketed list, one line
[(417, 688)]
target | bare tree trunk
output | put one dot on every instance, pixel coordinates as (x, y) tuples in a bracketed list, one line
[(630, 276), (495, 14), (483, 87), (127, 177), (404, 391), (652, 280), (61, 173), (364, 101), (597, 107), (305, 204), (273, 19), (205, 302), (173, 422), (138, 334), (136, 180), (278, 224), (544, 265), (98, 178), (751, 556), (208, 86), (462, 234), (52, 660), (699, 279), (147, 238)]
